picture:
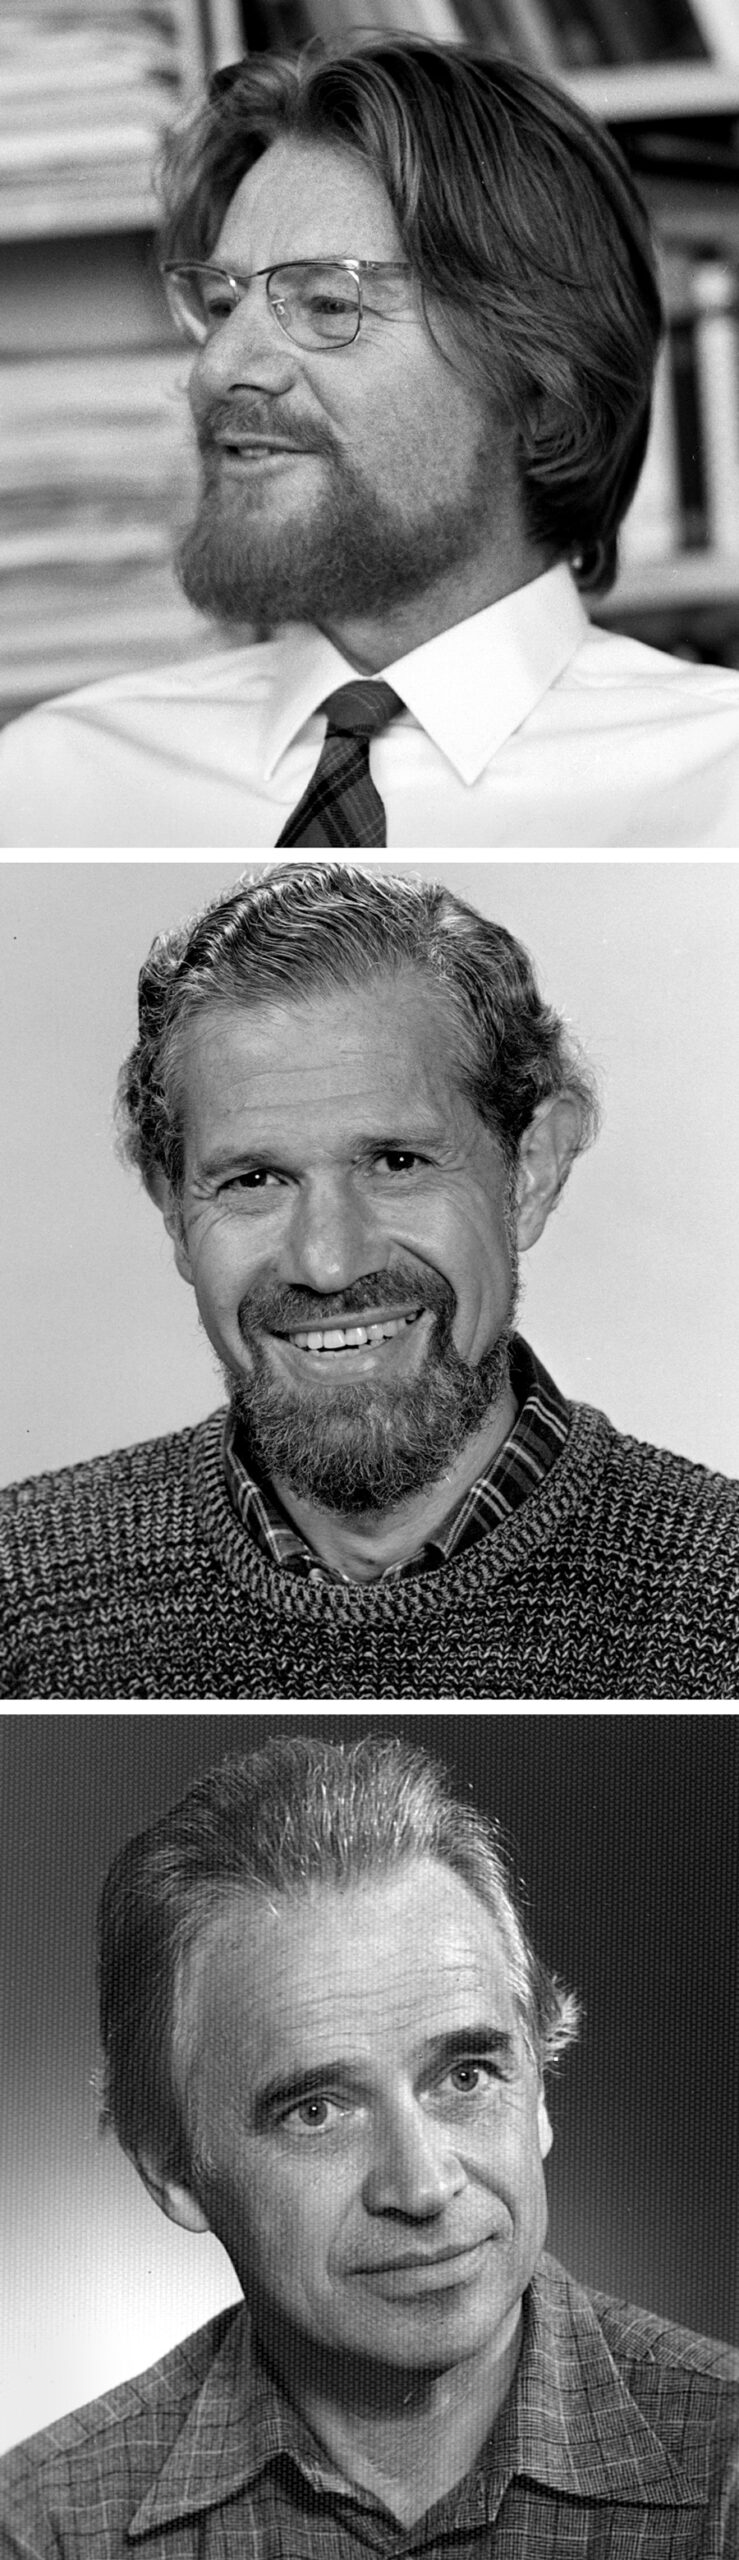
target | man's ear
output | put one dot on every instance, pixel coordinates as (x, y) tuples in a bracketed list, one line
[(161, 1192), (546, 2136), (179, 2204), (545, 1154)]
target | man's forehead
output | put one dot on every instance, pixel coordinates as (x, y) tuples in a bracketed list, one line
[(290, 202), (410, 1954), (383, 1042)]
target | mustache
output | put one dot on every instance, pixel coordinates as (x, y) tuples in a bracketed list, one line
[(236, 420), (272, 1309)]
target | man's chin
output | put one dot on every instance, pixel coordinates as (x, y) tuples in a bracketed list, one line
[(365, 1455)]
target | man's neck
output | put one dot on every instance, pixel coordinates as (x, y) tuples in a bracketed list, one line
[(370, 641), (361, 1547), (414, 2452)]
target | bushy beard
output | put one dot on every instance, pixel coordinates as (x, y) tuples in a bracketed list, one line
[(346, 550), (367, 1448)]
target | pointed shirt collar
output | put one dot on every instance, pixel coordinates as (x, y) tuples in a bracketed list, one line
[(469, 688), (569, 2424)]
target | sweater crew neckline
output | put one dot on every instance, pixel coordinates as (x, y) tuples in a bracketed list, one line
[(506, 1548)]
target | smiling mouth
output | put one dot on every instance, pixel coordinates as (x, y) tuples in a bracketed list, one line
[(352, 1337)]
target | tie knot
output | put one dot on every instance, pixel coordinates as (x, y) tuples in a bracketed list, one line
[(363, 707)]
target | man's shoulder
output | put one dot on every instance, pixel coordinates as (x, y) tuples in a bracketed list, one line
[(118, 1475), (682, 1492), (685, 2384), (198, 676), (614, 659), (70, 1530), (639, 2338), (111, 2449)]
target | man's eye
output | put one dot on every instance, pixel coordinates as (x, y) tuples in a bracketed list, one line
[(399, 1159), (312, 2115), (469, 2079), (255, 1177)]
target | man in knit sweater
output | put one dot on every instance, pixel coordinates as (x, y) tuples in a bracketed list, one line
[(326, 2035), (354, 1111)]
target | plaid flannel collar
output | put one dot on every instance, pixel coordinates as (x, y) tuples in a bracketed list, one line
[(538, 1434), (569, 2423)]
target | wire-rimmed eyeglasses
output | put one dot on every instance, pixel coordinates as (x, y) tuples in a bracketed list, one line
[(318, 302)]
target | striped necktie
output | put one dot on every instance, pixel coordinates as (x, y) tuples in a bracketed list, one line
[(341, 805)]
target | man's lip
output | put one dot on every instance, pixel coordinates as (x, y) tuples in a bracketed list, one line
[(418, 2259)]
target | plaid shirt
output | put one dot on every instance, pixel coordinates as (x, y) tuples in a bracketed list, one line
[(618, 2441), (538, 1434)]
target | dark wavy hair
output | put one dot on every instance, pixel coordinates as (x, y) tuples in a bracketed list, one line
[(304, 929), (517, 214), (297, 1813)]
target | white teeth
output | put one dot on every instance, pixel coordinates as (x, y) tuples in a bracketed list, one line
[(353, 1337)]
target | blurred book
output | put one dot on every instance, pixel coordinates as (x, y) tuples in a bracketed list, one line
[(652, 530), (85, 94), (689, 424), (648, 31), (719, 20), (97, 478), (522, 29), (715, 302)]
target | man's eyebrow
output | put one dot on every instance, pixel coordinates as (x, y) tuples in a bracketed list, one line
[(407, 1140), (286, 2090), (497, 2042), (223, 1159)]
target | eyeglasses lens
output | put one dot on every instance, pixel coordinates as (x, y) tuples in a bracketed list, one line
[(317, 306), (198, 299)]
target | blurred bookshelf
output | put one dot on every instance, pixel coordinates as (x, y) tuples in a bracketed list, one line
[(94, 446), (95, 466)]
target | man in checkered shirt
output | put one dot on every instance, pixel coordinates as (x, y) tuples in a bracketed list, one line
[(326, 2034)]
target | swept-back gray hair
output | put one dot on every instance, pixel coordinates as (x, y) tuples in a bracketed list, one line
[(304, 929), (296, 1813)]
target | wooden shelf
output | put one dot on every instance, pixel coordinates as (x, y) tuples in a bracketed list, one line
[(104, 549), (643, 93), (52, 217), (691, 578)]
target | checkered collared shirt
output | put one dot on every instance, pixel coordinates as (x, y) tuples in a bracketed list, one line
[(619, 2440), (538, 1434)]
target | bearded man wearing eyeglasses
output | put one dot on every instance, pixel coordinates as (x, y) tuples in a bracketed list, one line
[(421, 293)]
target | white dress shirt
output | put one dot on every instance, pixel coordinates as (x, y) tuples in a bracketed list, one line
[(524, 725)]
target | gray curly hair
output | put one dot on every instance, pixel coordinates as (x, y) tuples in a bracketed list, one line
[(304, 929)]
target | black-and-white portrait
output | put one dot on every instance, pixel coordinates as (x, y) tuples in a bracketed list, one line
[(479, 1429), (413, 2211), (422, 386)]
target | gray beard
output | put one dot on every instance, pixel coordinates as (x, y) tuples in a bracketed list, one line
[(372, 1448), (348, 552)]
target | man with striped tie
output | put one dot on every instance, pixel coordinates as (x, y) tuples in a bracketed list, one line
[(421, 293)]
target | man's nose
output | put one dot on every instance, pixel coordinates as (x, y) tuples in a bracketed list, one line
[(412, 2171), (248, 351), (332, 1238)]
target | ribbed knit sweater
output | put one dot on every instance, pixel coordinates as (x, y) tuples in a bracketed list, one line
[(130, 1577)]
